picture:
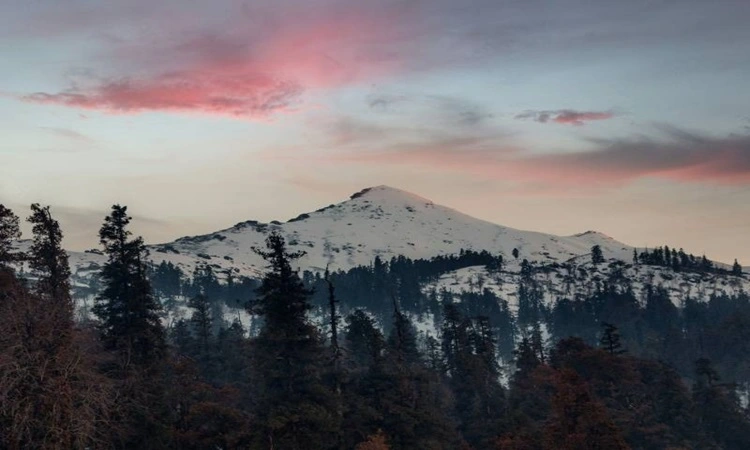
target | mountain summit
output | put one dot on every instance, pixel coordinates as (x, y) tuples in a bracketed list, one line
[(378, 221)]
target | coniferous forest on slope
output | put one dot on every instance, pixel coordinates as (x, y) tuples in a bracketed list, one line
[(337, 361)]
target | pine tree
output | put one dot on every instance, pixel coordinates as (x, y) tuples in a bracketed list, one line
[(295, 408), (201, 321), (49, 263), (455, 336), (480, 398), (610, 339), (9, 231), (364, 340), (167, 280), (736, 269), (126, 307), (596, 254), (333, 319), (402, 341), (130, 328)]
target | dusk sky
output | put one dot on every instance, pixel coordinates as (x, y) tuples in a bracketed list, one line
[(627, 117)]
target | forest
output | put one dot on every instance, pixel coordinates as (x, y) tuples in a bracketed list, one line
[(337, 362)]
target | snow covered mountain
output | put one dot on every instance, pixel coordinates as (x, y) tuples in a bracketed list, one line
[(379, 221), (387, 222)]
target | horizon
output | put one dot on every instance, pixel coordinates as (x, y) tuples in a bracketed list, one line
[(629, 118)]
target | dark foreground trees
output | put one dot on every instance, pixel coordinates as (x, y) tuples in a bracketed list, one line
[(379, 384), (51, 395)]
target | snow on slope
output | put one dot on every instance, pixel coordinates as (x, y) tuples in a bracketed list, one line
[(578, 280), (379, 221)]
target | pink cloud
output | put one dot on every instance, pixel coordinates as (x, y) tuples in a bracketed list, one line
[(207, 93), (247, 72)]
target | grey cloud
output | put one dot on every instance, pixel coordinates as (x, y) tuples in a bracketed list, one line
[(441, 108), (565, 116)]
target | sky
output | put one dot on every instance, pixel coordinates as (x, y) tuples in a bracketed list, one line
[(626, 117)]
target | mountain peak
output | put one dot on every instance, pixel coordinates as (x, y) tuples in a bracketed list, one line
[(593, 234), (388, 193)]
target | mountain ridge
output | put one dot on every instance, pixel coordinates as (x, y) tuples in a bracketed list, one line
[(386, 222), (381, 221)]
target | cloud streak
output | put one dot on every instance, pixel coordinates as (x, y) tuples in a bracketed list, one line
[(207, 93), (676, 155), (451, 110), (679, 155), (565, 116)]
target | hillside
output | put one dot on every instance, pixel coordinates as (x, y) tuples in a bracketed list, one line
[(379, 221)]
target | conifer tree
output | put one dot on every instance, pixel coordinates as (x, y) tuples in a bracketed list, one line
[(333, 319), (736, 268), (126, 307), (596, 254), (9, 231), (201, 321), (364, 340), (402, 341), (49, 262), (130, 328), (295, 409), (455, 337), (610, 339)]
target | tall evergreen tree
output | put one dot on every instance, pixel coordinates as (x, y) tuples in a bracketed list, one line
[(130, 328), (49, 262), (295, 408), (402, 341), (333, 319), (9, 231), (126, 307), (201, 321)]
